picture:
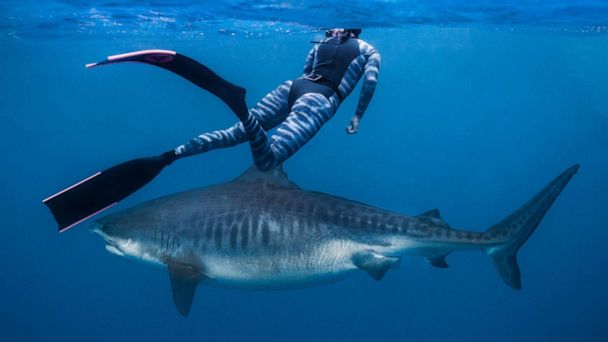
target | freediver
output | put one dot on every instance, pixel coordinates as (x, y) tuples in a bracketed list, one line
[(300, 107)]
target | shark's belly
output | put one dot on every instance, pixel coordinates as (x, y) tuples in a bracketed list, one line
[(282, 268)]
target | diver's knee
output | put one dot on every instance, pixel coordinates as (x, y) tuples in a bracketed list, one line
[(266, 162)]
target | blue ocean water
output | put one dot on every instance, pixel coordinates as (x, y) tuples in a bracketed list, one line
[(478, 106)]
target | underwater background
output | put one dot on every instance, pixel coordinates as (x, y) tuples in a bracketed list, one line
[(478, 106)]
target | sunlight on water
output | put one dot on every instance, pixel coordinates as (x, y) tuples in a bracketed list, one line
[(189, 20)]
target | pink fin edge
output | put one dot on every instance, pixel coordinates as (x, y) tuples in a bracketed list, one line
[(130, 54), (71, 187), (86, 218), (141, 52)]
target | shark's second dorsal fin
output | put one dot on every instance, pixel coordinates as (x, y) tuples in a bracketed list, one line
[(434, 213), (433, 216), (276, 176)]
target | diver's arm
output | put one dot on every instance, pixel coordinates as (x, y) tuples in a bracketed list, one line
[(310, 59), (370, 79)]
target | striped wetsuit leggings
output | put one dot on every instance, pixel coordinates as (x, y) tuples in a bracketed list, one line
[(297, 121)]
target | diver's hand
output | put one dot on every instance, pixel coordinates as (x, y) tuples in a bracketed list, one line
[(353, 126)]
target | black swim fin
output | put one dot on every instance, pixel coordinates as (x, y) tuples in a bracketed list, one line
[(188, 68), (106, 188)]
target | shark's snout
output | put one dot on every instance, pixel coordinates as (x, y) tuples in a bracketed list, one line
[(107, 229), (96, 227), (99, 229)]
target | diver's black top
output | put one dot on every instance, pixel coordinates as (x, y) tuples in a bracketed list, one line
[(334, 55)]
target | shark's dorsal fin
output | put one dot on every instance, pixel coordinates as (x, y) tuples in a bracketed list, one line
[(276, 176), (433, 216), (184, 279)]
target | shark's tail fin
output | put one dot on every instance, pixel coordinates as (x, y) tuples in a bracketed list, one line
[(514, 230)]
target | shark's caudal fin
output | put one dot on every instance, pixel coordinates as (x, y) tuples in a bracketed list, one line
[(518, 227)]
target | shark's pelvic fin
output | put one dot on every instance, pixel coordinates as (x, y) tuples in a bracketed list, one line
[(276, 176), (517, 228), (374, 264), (184, 279)]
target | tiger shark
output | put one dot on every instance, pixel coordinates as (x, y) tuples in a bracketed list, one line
[(262, 231)]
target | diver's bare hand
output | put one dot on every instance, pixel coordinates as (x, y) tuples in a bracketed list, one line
[(353, 126)]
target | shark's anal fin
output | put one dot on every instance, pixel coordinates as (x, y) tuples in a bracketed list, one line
[(184, 279), (438, 261), (374, 264)]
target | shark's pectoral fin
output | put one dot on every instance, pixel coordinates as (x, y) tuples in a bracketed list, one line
[(184, 279), (375, 265), (438, 261)]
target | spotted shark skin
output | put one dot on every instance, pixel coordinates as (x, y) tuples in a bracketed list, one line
[(261, 231)]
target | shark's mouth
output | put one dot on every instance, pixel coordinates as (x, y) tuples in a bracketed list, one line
[(110, 245), (122, 247), (113, 249)]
